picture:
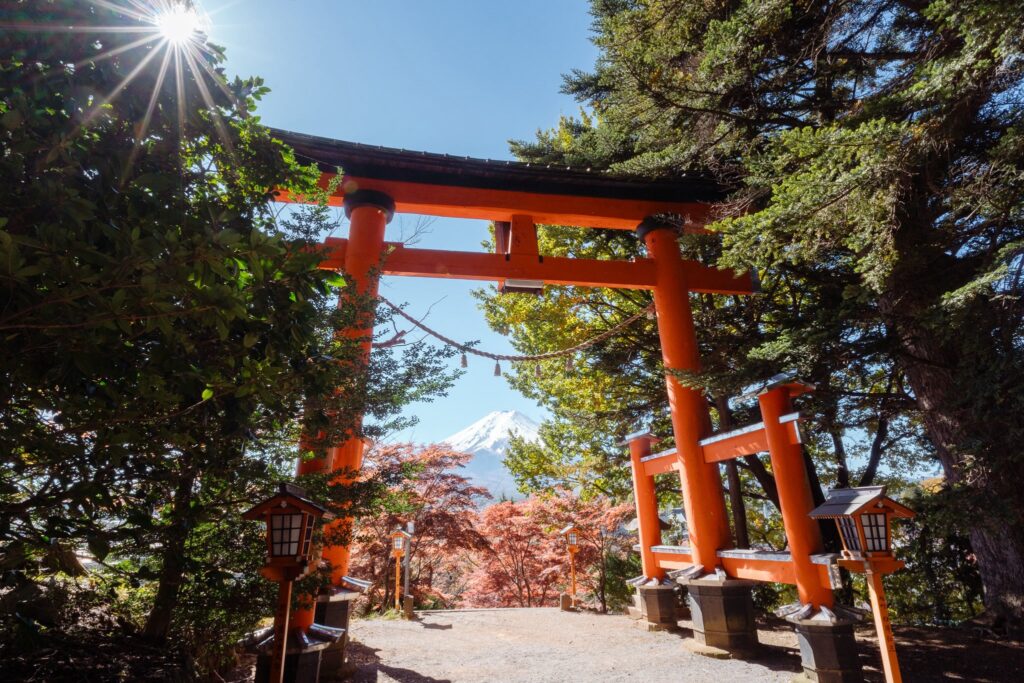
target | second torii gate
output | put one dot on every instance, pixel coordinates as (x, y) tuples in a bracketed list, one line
[(379, 181)]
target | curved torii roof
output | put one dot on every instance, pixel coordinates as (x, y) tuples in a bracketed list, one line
[(464, 187)]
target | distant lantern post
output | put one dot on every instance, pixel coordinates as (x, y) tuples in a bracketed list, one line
[(290, 517), (571, 534), (863, 516), (399, 548), (410, 528)]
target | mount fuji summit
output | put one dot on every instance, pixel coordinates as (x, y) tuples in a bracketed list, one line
[(487, 439)]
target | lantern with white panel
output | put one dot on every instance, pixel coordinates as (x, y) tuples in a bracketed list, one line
[(290, 518), (399, 547), (572, 543), (864, 516)]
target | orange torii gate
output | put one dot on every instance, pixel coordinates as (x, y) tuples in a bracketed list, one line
[(379, 181)]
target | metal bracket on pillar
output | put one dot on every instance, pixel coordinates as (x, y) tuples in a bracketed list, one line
[(658, 222), (378, 200), (517, 239)]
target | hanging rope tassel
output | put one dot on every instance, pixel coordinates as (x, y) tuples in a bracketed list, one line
[(537, 371), (465, 361), (497, 369), (568, 363)]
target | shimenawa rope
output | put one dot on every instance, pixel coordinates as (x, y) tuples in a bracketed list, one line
[(611, 332)]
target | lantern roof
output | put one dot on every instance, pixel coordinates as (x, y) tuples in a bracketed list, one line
[(643, 433), (289, 494), (389, 163), (568, 529), (634, 524), (400, 532), (786, 378), (851, 501), (360, 585)]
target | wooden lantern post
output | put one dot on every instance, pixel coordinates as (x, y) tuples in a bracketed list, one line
[(399, 547), (863, 516), (290, 517), (571, 534)]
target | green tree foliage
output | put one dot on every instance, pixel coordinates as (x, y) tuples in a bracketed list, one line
[(165, 337), (874, 148), (940, 584)]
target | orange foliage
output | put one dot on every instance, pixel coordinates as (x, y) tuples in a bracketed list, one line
[(508, 554), (525, 562), (442, 503)]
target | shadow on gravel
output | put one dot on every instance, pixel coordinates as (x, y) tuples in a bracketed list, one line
[(771, 652), (436, 627), (777, 658), (370, 669), (930, 654)]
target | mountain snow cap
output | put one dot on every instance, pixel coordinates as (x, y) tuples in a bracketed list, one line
[(490, 433)]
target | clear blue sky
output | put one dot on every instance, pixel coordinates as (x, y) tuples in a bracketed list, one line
[(454, 76)]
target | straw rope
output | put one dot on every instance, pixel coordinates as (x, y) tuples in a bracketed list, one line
[(607, 334)]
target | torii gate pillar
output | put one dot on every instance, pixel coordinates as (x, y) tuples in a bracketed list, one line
[(648, 523), (701, 483), (369, 213), (722, 609)]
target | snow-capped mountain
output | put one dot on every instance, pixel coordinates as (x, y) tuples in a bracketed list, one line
[(487, 439)]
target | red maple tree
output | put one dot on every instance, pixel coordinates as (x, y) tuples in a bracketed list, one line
[(526, 563), (442, 504)]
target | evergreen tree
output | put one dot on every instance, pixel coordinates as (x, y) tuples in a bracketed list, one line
[(875, 152)]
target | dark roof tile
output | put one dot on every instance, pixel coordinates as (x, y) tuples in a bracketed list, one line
[(387, 163)]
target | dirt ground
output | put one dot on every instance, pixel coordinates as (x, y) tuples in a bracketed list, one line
[(539, 646), (548, 646)]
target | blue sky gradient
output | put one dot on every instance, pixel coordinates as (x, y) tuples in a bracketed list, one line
[(459, 77)]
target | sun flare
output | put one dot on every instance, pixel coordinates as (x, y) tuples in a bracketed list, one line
[(178, 24)]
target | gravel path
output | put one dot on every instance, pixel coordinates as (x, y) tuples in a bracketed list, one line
[(540, 646)]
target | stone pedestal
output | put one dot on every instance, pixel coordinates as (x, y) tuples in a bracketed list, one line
[(722, 610), (828, 651), (333, 609), (565, 602), (636, 610), (658, 605), (303, 652), (407, 610), (299, 667)]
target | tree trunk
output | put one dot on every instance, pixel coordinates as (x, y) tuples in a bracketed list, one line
[(172, 556), (739, 510), (829, 532), (764, 478), (970, 450), (877, 448), (843, 467)]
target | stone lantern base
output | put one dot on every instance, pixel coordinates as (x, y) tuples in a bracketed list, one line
[(828, 651), (302, 656), (301, 667), (334, 609), (407, 608), (658, 605), (722, 610)]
